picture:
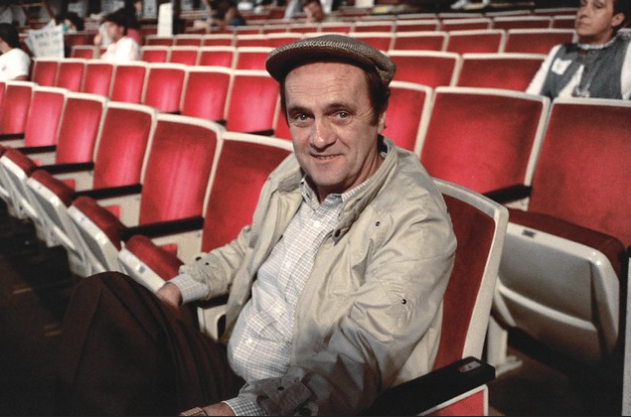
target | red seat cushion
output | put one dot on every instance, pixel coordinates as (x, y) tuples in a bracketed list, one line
[(102, 218), (161, 261), (59, 188), (610, 246)]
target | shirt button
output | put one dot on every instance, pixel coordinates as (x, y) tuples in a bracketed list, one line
[(317, 224)]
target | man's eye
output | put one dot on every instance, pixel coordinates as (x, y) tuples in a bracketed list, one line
[(343, 115)]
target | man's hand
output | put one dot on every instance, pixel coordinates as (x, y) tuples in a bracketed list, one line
[(171, 296), (219, 409)]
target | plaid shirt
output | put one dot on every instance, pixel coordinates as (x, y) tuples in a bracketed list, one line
[(260, 345)]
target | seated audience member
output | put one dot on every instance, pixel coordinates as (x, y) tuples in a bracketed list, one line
[(14, 62), (313, 11), (122, 48), (599, 64), (335, 290), (223, 13)]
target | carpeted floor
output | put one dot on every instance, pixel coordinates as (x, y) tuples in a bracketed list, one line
[(35, 287)]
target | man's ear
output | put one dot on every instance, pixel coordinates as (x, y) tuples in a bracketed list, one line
[(381, 124)]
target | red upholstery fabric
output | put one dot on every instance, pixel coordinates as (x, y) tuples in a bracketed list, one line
[(80, 51), (479, 42), (196, 41), (420, 26), (501, 72), (2, 87), (43, 118), (159, 41), (279, 41), (525, 23), (17, 100), (216, 58), (210, 41), (98, 78), (230, 207), (539, 42), (251, 60), (177, 172), (183, 56), (102, 218), (122, 147), (164, 88), (427, 42), (282, 128), (245, 116), (78, 131), (474, 233), (480, 141), (473, 405), (239, 42), (582, 172), (381, 43), (462, 24), (162, 262), (128, 83), (45, 73), (428, 70), (611, 247), (381, 27), (345, 28), (59, 188), (70, 75), (154, 54), (404, 116), (205, 95), (21, 160)]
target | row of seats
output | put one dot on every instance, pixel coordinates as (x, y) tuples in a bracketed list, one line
[(465, 41), (226, 96), (502, 144)]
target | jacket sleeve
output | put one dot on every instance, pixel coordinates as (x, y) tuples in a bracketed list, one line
[(396, 312)]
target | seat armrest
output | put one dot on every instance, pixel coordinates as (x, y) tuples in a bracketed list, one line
[(65, 168), (11, 136), (164, 228), (29, 150), (510, 193), (101, 193), (425, 392)]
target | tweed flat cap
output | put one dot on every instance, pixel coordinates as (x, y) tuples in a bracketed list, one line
[(333, 47)]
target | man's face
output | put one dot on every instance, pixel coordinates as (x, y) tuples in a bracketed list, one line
[(114, 31), (314, 11), (331, 123), (595, 20)]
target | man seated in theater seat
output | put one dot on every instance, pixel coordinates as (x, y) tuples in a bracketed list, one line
[(599, 64), (122, 48), (335, 289), (14, 62)]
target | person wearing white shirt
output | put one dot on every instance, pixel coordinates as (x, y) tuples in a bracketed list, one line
[(14, 62), (122, 47)]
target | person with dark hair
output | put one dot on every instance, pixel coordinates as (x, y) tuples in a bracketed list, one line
[(122, 48), (223, 13), (14, 62), (335, 289), (599, 64)]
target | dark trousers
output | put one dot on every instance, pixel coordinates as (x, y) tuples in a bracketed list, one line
[(124, 353)]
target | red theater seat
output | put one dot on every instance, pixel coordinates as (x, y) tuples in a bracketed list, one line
[(426, 67), (128, 83), (536, 41), (45, 71), (250, 87), (408, 114), (252, 58), (206, 93), (154, 53), (420, 41), (15, 105), (476, 41), (70, 74), (98, 77), (217, 56), (507, 71), (186, 55), (163, 87)]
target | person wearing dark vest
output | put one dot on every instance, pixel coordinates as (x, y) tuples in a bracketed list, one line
[(599, 64)]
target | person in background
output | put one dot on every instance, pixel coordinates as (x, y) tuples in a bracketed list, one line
[(122, 48), (599, 64), (14, 62), (223, 13), (313, 11)]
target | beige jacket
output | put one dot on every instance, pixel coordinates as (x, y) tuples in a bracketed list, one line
[(370, 314)]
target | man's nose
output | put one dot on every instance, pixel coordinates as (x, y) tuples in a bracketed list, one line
[(322, 134)]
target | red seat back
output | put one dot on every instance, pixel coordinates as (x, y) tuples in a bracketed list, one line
[(79, 128), (250, 87), (70, 74), (420, 25), (44, 116), (536, 41), (188, 40), (522, 22), (483, 140), (275, 41), (419, 41), (163, 89), (154, 40), (475, 41), (507, 71), (45, 71), (582, 172), (218, 40), (217, 56), (98, 77), (247, 163), (176, 176), (15, 105), (205, 93), (185, 55), (428, 68), (122, 146), (407, 113), (449, 25), (251, 41), (84, 52), (252, 58), (154, 54), (379, 40), (128, 82)]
